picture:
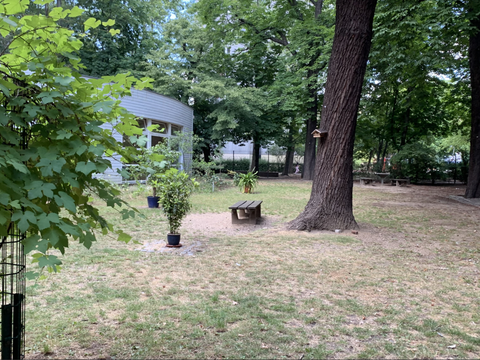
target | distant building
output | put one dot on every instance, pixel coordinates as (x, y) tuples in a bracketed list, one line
[(239, 151), (171, 115)]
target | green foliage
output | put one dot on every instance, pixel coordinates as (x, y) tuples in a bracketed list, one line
[(186, 143), (136, 23), (244, 164), (415, 83), (175, 188), (151, 163), (55, 129), (418, 162), (205, 171), (247, 182), (235, 176)]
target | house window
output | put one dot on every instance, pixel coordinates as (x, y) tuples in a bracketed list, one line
[(142, 123), (176, 129), (161, 128), (157, 140)]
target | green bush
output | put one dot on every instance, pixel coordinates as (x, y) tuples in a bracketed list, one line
[(244, 165), (418, 162), (174, 188)]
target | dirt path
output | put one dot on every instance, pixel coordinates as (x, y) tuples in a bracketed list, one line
[(446, 201)]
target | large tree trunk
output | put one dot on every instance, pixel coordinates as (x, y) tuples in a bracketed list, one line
[(406, 124), (473, 184), (377, 166), (369, 160), (308, 172), (287, 168), (254, 164), (330, 204), (206, 153)]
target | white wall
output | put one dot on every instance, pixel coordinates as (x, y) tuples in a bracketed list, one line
[(151, 106)]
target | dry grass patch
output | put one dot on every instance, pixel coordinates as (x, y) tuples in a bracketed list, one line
[(405, 287)]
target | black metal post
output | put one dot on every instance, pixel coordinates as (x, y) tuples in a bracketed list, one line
[(17, 325), (7, 331)]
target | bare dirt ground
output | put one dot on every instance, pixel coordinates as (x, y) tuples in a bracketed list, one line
[(446, 199)]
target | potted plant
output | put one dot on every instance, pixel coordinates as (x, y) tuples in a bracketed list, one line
[(152, 163), (247, 182), (175, 188)]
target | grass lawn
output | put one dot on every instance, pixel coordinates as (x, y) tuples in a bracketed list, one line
[(406, 286)]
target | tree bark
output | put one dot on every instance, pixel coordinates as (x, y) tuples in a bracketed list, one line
[(330, 205), (369, 160), (206, 153), (287, 169), (377, 165), (254, 165), (406, 124), (308, 172), (384, 154), (473, 182)]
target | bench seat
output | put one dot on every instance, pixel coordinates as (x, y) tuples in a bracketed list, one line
[(365, 180), (248, 210)]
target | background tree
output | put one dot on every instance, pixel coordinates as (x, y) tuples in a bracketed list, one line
[(330, 204), (297, 31), (137, 23), (187, 67), (406, 85)]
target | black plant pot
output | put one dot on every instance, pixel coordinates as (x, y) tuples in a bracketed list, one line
[(173, 239), (153, 201)]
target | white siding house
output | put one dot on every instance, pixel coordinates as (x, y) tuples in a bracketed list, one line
[(151, 108)]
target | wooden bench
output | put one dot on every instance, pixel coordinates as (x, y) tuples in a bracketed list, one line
[(365, 181), (249, 210), (400, 182)]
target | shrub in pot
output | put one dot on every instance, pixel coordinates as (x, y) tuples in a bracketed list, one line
[(175, 188), (247, 182)]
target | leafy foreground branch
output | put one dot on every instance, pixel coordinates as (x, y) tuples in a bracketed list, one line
[(51, 138)]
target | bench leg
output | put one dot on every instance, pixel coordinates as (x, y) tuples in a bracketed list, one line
[(235, 219), (252, 219)]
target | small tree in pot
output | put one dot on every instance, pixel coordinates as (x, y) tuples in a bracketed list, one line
[(175, 188)]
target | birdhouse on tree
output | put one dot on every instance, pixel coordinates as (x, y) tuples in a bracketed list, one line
[(319, 134)]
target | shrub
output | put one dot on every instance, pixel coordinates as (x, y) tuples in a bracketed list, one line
[(418, 162), (174, 189)]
